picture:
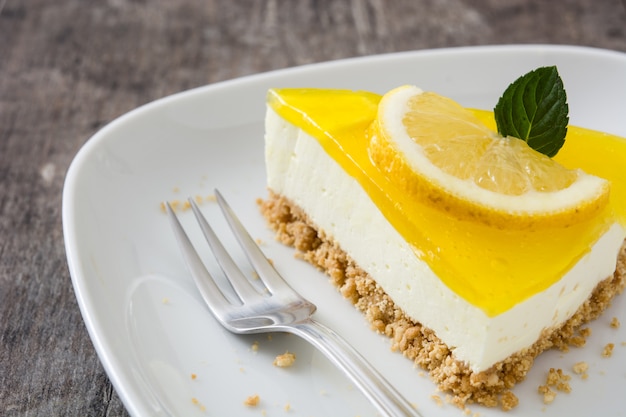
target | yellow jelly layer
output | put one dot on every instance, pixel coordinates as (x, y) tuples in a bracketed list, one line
[(493, 269)]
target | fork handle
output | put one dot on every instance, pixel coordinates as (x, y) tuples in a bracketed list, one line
[(372, 384)]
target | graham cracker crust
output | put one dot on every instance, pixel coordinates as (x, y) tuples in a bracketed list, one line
[(490, 388)]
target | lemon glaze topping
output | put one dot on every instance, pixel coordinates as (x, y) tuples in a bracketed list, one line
[(491, 268)]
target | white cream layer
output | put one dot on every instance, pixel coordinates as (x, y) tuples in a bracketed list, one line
[(299, 169)]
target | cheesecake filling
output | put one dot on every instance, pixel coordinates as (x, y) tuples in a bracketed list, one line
[(482, 325)]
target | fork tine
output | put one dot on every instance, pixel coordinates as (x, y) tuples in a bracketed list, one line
[(216, 300), (272, 279), (237, 279)]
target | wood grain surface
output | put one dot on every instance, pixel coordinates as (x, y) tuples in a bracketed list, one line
[(67, 67)]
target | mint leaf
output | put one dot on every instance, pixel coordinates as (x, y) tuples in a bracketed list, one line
[(534, 108)]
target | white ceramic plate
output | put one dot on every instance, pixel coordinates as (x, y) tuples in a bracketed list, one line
[(147, 322)]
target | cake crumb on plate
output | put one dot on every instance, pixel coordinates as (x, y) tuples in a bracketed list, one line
[(559, 380), (580, 368), (548, 394), (607, 352), (198, 404), (437, 399), (285, 360), (252, 401)]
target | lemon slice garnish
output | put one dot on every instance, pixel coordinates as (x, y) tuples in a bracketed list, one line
[(442, 154)]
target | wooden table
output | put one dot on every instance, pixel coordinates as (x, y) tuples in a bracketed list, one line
[(67, 67)]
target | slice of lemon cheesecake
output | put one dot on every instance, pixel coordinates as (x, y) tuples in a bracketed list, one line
[(472, 251)]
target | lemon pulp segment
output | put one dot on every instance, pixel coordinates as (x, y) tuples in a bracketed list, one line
[(491, 268)]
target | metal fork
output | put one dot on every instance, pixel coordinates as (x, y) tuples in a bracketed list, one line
[(279, 309)]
